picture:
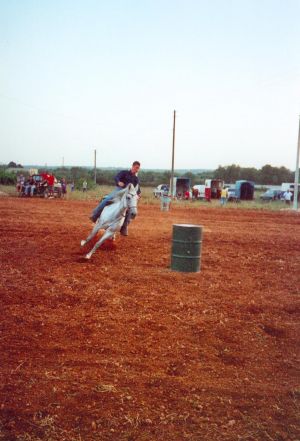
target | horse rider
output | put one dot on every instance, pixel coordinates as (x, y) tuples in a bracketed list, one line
[(122, 179)]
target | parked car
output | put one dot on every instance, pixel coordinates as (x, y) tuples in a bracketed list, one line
[(271, 195), (232, 196), (160, 190)]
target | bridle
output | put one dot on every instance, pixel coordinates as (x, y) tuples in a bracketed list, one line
[(133, 206)]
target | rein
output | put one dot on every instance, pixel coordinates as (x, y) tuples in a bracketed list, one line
[(133, 206), (129, 208)]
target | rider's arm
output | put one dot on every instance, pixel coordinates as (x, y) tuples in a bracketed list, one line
[(120, 179)]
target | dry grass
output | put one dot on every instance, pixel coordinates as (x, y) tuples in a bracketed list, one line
[(97, 194)]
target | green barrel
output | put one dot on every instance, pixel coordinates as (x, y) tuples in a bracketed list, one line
[(186, 248)]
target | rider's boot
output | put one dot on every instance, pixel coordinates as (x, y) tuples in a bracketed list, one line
[(124, 230), (96, 214), (94, 219)]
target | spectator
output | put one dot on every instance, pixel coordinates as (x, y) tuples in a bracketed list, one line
[(63, 187), (195, 193), (73, 186), (84, 186), (288, 197), (20, 183), (27, 187), (224, 196), (32, 186), (186, 195), (43, 185), (50, 180)]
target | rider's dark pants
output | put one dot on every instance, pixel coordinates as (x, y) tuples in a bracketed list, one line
[(127, 219)]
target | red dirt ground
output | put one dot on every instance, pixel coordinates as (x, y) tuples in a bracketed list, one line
[(122, 348)]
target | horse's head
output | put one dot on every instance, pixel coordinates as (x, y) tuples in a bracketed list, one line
[(131, 200)]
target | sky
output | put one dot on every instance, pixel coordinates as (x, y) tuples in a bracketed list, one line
[(76, 76)]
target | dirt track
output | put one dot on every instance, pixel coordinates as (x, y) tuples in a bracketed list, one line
[(122, 348)]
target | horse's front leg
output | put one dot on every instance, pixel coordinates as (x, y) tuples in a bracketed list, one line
[(95, 230), (108, 233)]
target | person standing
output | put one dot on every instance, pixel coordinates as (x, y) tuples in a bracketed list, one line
[(122, 179), (187, 195), (224, 196), (288, 197), (195, 193), (84, 186), (63, 187), (50, 181), (20, 183)]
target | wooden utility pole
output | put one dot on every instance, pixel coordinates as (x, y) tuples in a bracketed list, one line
[(295, 204), (95, 166), (173, 155)]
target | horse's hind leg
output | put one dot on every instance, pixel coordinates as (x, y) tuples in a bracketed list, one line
[(95, 230), (108, 233)]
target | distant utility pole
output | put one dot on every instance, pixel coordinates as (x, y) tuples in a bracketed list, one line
[(295, 204), (63, 162), (173, 155), (95, 166)]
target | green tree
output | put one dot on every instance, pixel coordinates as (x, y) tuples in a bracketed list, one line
[(275, 175), (230, 173), (7, 178)]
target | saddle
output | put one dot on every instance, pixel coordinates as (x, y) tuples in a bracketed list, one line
[(106, 205)]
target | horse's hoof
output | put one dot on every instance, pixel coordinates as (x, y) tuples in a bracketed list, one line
[(82, 243), (87, 257)]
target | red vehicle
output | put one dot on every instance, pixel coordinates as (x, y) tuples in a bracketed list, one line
[(213, 188)]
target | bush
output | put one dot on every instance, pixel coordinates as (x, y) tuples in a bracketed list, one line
[(90, 184), (7, 178)]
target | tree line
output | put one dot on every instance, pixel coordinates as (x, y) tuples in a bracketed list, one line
[(267, 175)]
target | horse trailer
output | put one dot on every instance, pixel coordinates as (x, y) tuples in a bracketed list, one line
[(213, 188), (180, 186), (244, 190)]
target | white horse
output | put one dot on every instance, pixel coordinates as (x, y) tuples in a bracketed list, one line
[(113, 216)]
